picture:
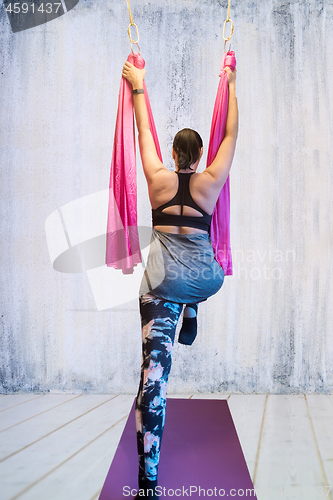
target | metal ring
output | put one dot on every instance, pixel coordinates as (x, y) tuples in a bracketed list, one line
[(229, 46), (136, 43), (129, 33), (231, 29)]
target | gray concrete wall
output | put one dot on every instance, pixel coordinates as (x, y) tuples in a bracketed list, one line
[(269, 328)]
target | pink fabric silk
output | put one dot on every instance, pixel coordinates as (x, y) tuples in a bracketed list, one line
[(220, 225), (122, 239)]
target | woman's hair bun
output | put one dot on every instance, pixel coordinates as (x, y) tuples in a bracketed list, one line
[(187, 144)]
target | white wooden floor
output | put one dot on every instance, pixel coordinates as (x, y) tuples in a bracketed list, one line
[(60, 447)]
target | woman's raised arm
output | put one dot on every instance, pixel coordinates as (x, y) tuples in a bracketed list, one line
[(150, 160), (220, 167)]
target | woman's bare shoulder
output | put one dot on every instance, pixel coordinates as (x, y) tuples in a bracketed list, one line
[(164, 179), (162, 187), (203, 183), (204, 190)]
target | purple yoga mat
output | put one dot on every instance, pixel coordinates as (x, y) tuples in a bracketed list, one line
[(200, 449)]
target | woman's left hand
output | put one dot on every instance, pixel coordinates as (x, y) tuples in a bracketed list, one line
[(230, 74), (133, 75)]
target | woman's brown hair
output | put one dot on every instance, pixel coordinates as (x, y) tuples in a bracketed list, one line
[(187, 144)]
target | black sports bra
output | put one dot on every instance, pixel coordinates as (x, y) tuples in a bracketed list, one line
[(182, 197)]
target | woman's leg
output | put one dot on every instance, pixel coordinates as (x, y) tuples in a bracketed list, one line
[(159, 319), (188, 331)]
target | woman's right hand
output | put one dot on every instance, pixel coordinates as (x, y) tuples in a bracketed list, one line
[(133, 75), (231, 74)]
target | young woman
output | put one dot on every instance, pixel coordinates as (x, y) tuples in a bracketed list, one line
[(181, 268)]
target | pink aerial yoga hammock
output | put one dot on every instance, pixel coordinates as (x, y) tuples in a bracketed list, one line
[(122, 243), (220, 225), (122, 239)]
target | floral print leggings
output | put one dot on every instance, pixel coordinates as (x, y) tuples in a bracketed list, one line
[(159, 319)]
